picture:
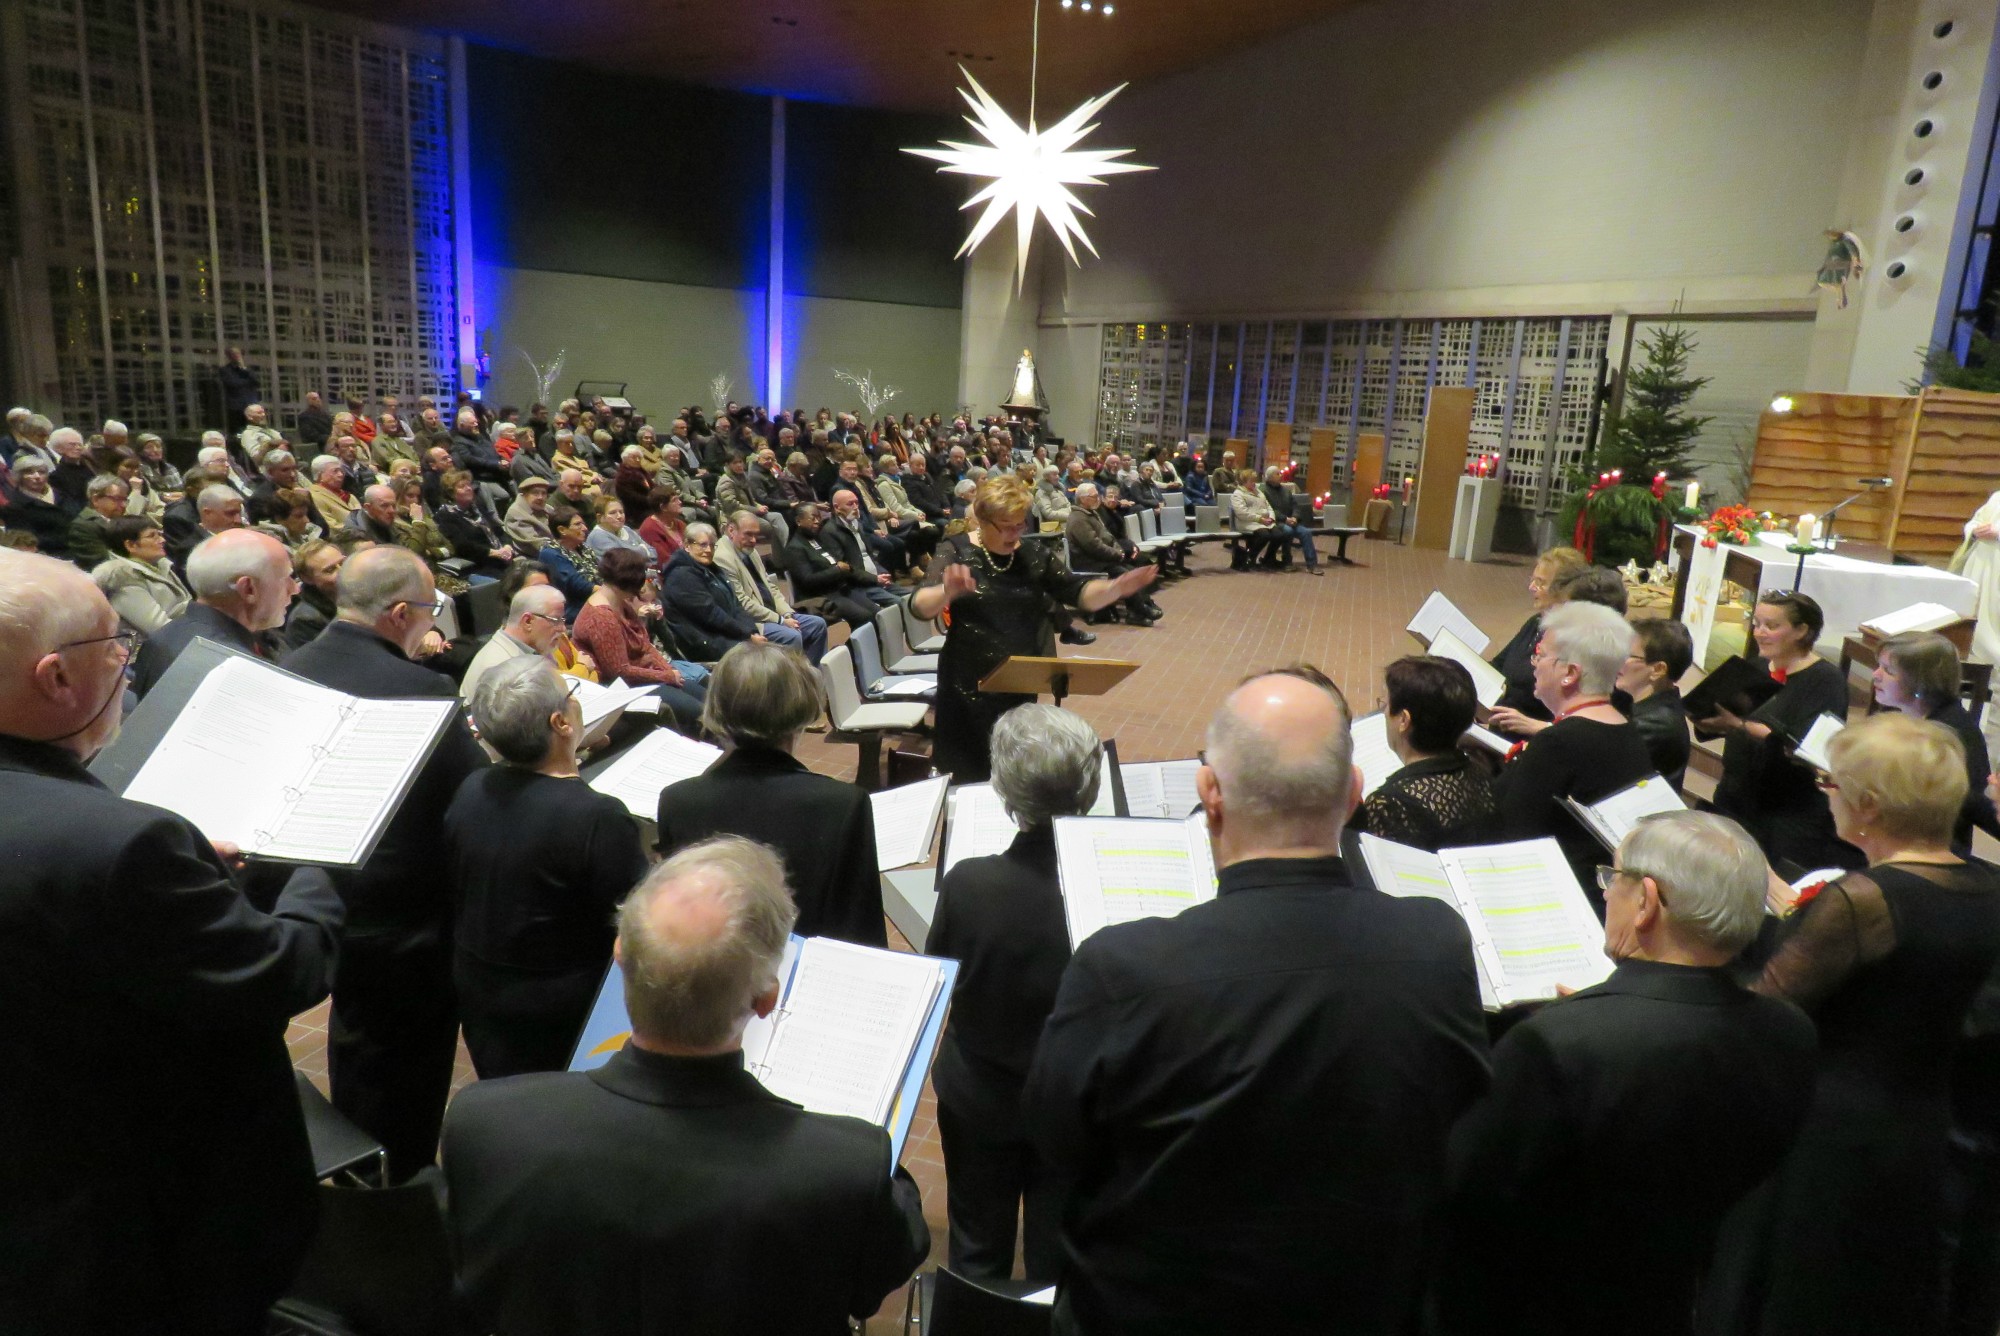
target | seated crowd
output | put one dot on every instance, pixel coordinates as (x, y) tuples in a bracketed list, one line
[(1282, 1110)]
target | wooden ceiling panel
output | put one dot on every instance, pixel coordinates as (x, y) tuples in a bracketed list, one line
[(885, 53)]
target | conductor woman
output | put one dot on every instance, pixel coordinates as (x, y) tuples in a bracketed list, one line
[(993, 590)]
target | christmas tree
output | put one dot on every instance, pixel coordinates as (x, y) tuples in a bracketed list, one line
[(1655, 434)]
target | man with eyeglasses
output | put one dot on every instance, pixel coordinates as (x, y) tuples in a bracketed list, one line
[(153, 1129), (242, 584), (1626, 1120), (394, 1029), (534, 620)]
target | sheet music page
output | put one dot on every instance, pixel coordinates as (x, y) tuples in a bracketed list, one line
[(660, 758), (1812, 748), (601, 702), (906, 685), (1488, 739), (850, 1022), (1916, 617), (1372, 752), (980, 825), (1159, 788), (1616, 815), (906, 821), (1177, 787), (757, 1034), (1107, 795), (1439, 612), (1529, 918), (1116, 869), (1399, 870), (357, 782), (1489, 682), (245, 737)]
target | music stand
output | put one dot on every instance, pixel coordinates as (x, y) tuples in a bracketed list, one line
[(1033, 675)]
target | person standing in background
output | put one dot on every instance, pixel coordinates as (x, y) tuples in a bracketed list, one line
[(240, 389)]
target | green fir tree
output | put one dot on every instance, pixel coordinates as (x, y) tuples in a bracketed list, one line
[(1655, 433)]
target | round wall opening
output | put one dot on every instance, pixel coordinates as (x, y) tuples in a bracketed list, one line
[(1943, 30), (1934, 80), (1896, 269), (1906, 222), (1922, 129), (1914, 177)]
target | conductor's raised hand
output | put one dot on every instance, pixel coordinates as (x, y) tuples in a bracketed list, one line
[(958, 580), (1135, 581)]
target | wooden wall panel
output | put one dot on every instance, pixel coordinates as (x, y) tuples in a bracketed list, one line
[(1447, 439), (1277, 445), (1369, 447), (1953, 466), (1319, 462), (1814, 457)]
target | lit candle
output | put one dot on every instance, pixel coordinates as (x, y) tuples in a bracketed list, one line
[(1808, 529), (1693, 495)]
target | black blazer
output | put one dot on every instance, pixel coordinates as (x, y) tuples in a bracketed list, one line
[(1623, 1122), (197, 621), (1516, 660), (1662, 722), (701, 607), (813, 563), (660, 1194), (1001, 918), (402, 888), (1978, 809), (1252, 1102), (157, 1177), (823, 828)]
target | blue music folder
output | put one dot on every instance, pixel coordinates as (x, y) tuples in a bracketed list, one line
[(609, 1027)]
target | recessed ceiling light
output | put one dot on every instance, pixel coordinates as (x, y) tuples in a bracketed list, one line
[(1086, 6), (1107, 11)]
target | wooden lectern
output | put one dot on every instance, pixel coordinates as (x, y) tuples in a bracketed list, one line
[(1031, 675)]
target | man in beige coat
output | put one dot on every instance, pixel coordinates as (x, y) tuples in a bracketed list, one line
[(761, 596)]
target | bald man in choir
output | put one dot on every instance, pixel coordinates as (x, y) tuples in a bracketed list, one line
[(1625, 1120), (1250, 1101)]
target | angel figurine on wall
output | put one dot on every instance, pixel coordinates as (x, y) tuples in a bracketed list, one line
[(1845, 262)]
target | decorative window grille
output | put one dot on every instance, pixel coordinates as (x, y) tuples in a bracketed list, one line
[(208, 173), (1535, 383)]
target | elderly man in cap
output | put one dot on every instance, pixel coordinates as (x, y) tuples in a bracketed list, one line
[(158, 1176), (527, 521)]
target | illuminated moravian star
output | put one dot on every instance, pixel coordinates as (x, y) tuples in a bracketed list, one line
[(1031, 171)]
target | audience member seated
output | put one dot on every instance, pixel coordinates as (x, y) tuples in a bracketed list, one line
[(1589, 752), (759, 701), (701, 607), (611, 531), (1774, 797), (33, 506), (1093, 547), (89, 533), (242, 584), (571, 565), (316, 567), (665, 527), (1515, 659), (1920, 675), (1250, 1101), (761, 596), (1052, 504), (376, 518), (468, 524), (922, 490), (290, 517), (393, 1032), (611, 630), (281, 473), (1253, 520), (1439, 799), (218, 509), (534, 620), (1001, 917), (160, 1179), (1624, 1121), (1197, 489), (668, 1185), (538, 863), (329, 492), (138, 580), (1293, 515), (822, 566), (527, 523), (1662, 652), (1846, 1238)]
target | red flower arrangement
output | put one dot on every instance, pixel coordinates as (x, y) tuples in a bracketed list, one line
[(1732, 524)]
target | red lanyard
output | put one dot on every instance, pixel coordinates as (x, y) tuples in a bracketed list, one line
[(1522, 745)]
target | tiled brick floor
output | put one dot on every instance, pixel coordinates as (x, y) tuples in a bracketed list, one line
[(1220, 626)]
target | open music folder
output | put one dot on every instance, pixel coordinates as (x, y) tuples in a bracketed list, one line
[(1532, 929), (1812, 747), (1372, 752), (660, 758), (1440, 613), (854, 1033), (906, 821), (1116, 869), (286, 769), (1158, 788), (1611, 819), (602, 705), (979, 826), (1488, 682)]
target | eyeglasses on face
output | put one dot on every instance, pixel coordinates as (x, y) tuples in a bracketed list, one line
[(1607, 873), (127, 642)]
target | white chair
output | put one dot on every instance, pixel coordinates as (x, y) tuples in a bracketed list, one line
[(1134, 534), (920, 635), (862, 722), (875, 682), (1208, 519), (1173, 522), (897, 656), (1149, 524)]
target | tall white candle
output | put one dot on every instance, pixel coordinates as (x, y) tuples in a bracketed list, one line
[(1808, 529), (1693, 495)]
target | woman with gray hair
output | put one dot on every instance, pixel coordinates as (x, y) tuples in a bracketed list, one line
[(1588, 1185), (760, 698), (1589, 752), (538, 862), (1001, 918)]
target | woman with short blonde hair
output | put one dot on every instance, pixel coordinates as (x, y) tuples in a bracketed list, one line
[(1846, 1238), (994, 590)]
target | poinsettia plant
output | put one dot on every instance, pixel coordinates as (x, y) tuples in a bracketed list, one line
[(1733, 524)]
